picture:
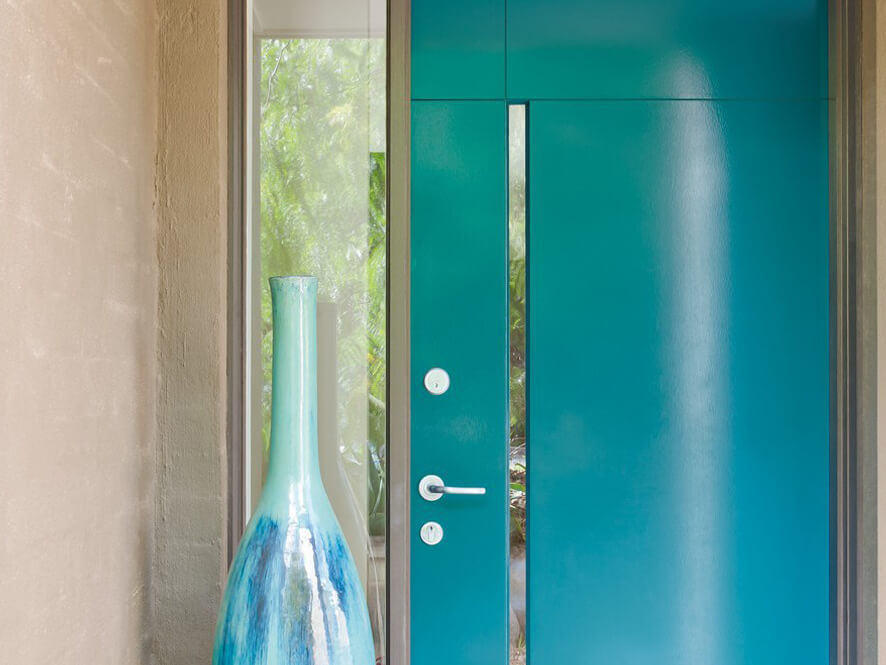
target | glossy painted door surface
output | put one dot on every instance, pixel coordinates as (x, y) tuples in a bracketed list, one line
[(678, 370), (458, 49), (678, 352), (459, 296), (666, 48)]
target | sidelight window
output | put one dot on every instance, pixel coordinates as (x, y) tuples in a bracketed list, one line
[(316, 165)]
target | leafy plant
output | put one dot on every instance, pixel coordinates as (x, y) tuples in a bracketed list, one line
[(517, 308), (322, 203)]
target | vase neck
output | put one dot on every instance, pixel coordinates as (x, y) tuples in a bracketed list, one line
[(293, 454)]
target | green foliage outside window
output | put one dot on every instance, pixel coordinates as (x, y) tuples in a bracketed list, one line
[(320, 184)]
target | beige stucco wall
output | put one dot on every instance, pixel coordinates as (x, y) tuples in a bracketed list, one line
[(189, 560), (879, 183), (113, 258), (78, 285)]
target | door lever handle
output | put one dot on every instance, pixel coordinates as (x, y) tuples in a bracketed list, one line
[(442, 489), (432, 488)]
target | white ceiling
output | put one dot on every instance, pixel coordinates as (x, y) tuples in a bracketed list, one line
[(319, 18)]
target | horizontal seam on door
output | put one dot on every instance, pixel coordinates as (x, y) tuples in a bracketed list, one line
[(523, 100)]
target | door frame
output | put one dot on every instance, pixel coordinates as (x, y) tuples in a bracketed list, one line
[(854, 370), (853, 147), (398, 347)]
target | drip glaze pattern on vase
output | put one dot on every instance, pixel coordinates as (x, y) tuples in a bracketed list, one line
[(293, 595)]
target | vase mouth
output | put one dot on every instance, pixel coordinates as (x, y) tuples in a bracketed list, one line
[(293, 279)]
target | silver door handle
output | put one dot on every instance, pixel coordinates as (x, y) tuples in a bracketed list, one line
[(442, 489), (432, 488)]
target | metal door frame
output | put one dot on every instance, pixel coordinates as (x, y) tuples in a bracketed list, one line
[(397, 579), (853, 146)]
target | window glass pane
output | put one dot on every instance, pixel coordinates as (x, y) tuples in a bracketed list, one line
[(518, 448), (320, 210)]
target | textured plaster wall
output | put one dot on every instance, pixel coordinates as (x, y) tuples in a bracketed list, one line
[(878, 77), (78, 309), (112, 330), (189, 559)]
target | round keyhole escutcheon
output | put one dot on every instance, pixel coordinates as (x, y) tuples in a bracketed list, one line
[(431, 533), (437, 381)]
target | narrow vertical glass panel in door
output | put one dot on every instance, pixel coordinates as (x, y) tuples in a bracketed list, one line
[(319, 209), (517, 314)]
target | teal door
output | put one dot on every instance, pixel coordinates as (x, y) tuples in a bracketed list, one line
[(678, 353)]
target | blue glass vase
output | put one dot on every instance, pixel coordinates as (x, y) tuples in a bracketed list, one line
[(293, 595)]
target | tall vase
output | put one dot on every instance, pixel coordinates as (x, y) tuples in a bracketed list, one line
[(293, 595)]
